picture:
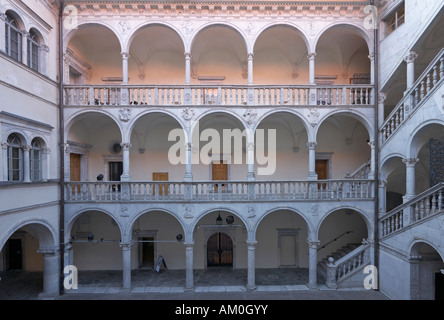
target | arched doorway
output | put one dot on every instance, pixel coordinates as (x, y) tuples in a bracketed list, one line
[(220, 250)]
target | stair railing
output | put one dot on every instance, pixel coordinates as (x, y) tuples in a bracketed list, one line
[(335, 239)]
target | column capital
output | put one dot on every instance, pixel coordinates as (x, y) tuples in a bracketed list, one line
[(125, 245), (26, 148), (188, 244), (251, 243), (250, 56), (372, 56), (24, 33), (4, 145), (313, 244), (126, 146), (125, 55), (311, 145), (411, 57), (3, 16), (311, 56), (187, 55), (372, 144), (382, 183), (410, 162), (44, 48), (381, 97)]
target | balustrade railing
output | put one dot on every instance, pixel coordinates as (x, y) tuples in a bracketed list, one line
[(338, 270), (235, 95), (219, 190), (426, 204), (360, 173), (432, 77)]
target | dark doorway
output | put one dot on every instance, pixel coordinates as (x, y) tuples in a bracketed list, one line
[(147, 252), (115, 171), (14, 256), (439, 286), (219, 250)]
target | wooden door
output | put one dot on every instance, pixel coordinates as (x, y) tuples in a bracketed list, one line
[(74, 170), (322, 172), (219, 172), (163, 188), (219, 250)]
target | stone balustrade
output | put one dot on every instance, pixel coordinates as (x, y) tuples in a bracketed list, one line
[(431, 79), (235, 95), (428, 203), (332, 190), (338, 270)]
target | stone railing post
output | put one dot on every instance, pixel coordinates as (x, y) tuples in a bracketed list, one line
[(331, 274)]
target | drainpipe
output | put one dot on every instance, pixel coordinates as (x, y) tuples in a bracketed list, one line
[(376, 121), (62, 151)]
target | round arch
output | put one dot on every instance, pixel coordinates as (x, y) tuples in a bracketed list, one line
[(130, 225), (74, 118), (84, 24), (69, 224), (24, 139), (209, 112), (195, 34), (310, 227), (17, 17), (133, 121), (358, 29), (283, 24), (351, 113), (308, 128), (148, 24), (384, 170), (414, 251), (411, 149), (46, 233), (202, 214), (362, 214)]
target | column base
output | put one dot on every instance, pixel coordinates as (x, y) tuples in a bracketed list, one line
[(312, 176), (313, 286), (251, 288), (407, 197), (125, 178), (251, 176), (188, 177), (47, 296), (189, 289)]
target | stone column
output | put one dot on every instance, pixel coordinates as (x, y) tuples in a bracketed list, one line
[(312, 263), (2, 31), (414, 277), (410, 60), (5, 158), (125, 57), (250, 68), (312, 175), (381, 109), (187, 68), (126, 162), (51, 272), (371, 174), (382, 196), (250, 161), (189, 265), (410, 178), (126, 259), (251, 278), (188, 164), (26, 168), (311, 67), (67, 162), (24, 47), (372, 68)]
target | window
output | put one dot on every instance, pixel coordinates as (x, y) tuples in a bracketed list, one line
[(395, 20), (13, 38), (15, 158), (33, 51), (35, 160)]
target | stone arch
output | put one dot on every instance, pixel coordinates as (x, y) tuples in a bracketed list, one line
[(69, 224), (84, 24), (232, 26), (351, 113), (284, 24), (384, 170), (209, 112), (147, 24), (412, 248), (75, 117), (309, 224), (46, 234), (202, 214), (412, 148)]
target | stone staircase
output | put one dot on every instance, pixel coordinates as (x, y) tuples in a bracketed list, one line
[(338, 254)]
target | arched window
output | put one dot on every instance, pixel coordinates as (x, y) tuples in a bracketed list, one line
[(35, 159), (15, 158), (13, 38), (33, 50)]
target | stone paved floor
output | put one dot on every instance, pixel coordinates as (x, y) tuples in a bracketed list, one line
[(217, 283)]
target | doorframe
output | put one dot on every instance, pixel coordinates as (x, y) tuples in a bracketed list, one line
[(106, 160), (293, 233), (83, 150), (146, 234), (226, 159), (211, 230), (326, 156), (18, 235)]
